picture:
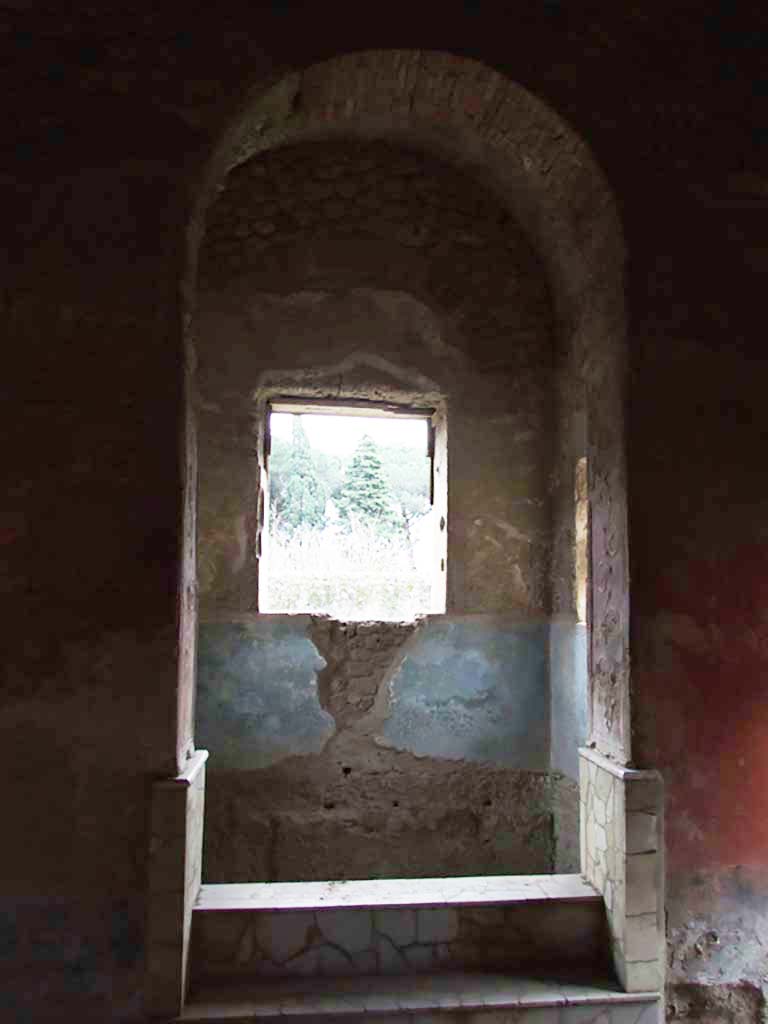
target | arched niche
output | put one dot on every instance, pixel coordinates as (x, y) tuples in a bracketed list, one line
[(468, 115)]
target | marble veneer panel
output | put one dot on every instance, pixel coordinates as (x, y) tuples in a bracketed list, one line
[(397, 940), (468, 998), (622, 855), (175, 863), (478, 890), (331, 1011)]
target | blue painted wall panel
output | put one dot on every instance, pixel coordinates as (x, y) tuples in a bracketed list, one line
[(569, 681), (476, 690), (257, 692)]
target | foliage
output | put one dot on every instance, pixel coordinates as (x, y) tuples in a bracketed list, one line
[(329, 470), (347, 540), (364, 496), (297, 494), (407, 472), (361, 573)]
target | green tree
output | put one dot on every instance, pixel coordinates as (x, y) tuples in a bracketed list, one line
[(364, 494), (407, 471), (329, 469), (297, 495), (278, 466)]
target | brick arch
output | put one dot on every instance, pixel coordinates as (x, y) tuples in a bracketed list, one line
[(467, 114)]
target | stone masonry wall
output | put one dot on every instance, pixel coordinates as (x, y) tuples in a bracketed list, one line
[(366, 191), (360, 658)]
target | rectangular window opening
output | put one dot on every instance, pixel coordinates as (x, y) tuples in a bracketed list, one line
[(355, 508)]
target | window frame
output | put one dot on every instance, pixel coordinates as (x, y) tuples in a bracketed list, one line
[(434, 413)]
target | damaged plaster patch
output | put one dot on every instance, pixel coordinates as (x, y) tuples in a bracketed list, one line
[(352, 807), (348, 371), (358, 810), (360, 659), (258, 691), (741, 1003), (717, 939)]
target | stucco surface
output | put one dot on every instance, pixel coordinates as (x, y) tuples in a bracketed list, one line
[(569, 695), (329, 741), (364, 269), (473, 690), (257, 692)]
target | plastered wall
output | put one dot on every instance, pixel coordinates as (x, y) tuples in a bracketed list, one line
[(359, 269), (701, 647), (366, 271), (335, 739)]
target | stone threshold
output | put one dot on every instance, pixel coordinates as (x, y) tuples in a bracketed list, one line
[(394, 893), (337, 998)]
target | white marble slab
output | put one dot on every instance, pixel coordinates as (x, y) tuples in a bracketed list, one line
[(443, 993), (396, 892)]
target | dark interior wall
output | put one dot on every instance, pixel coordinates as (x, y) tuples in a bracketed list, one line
[(700, 641), (107, 108), (91, 485), (361, 270)]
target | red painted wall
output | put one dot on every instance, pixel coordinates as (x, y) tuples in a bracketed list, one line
[(699, 543)]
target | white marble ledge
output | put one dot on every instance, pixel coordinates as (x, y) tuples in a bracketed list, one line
[(186, 777), (620, 771), (458, 991), (397, 892)]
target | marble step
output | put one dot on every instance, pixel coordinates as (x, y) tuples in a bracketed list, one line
[(396, 926), (466, 997)]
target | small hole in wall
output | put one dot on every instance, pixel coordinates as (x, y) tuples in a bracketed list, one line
[(487, 803), (347, 770), (395, 803), (329, 805)]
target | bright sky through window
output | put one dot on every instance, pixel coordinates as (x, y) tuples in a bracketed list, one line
[(340, 435)]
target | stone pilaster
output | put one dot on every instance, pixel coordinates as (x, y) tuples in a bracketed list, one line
[(622, 855), (175, 862)]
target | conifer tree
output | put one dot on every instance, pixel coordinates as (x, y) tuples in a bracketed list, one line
[(364, 495), (302, 496)]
